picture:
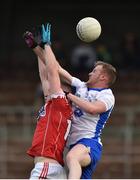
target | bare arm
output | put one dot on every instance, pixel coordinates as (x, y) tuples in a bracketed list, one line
[(43, 77), (53, 71), (89, 107), (40, 53), (65, 75)]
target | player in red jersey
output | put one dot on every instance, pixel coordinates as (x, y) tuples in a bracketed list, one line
[(53, 123)]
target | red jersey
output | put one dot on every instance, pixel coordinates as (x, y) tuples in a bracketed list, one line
[(50, 134)]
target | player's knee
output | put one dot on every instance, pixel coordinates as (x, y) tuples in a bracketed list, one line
[(70, 157)]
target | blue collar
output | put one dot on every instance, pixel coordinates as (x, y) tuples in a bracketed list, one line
[(97, 89)]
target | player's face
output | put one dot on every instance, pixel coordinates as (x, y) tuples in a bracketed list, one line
[(94, 76)]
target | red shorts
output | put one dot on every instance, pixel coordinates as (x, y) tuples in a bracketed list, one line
[(49, 137)]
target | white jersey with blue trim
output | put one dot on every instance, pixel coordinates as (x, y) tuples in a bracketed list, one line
[(85, 125)]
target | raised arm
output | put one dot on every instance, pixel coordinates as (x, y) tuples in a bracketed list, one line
[(65, 75), (43, 77), (48, 58)]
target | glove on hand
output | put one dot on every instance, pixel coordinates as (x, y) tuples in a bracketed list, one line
[(29, 39), (46, 33)]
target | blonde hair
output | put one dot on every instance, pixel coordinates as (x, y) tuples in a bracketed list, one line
[(110, 70)]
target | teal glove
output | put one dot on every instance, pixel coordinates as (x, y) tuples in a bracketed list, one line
[(46, 33)]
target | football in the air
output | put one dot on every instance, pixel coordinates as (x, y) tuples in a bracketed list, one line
[(88, 29)]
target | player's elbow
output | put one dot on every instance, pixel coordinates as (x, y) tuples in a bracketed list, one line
[(92, 111), (95, 110)]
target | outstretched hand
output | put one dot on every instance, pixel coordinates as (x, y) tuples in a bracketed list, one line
[(29, 39), (46, 33)]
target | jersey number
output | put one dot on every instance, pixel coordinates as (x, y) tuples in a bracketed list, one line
[(78, 112)]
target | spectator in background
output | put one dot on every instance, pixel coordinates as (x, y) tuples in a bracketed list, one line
[(83, 58), (130, 52), (103, 53)]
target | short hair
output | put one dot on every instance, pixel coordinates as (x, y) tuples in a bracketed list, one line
[(110, 70)]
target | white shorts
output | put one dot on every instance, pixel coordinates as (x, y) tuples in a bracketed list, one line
[(45, 170)]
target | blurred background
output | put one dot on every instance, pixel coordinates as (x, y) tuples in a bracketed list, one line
[(20, 90)]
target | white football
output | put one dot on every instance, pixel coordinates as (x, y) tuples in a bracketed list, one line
[(88, 29)]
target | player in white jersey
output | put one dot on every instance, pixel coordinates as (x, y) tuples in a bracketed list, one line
[(92, 105)]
